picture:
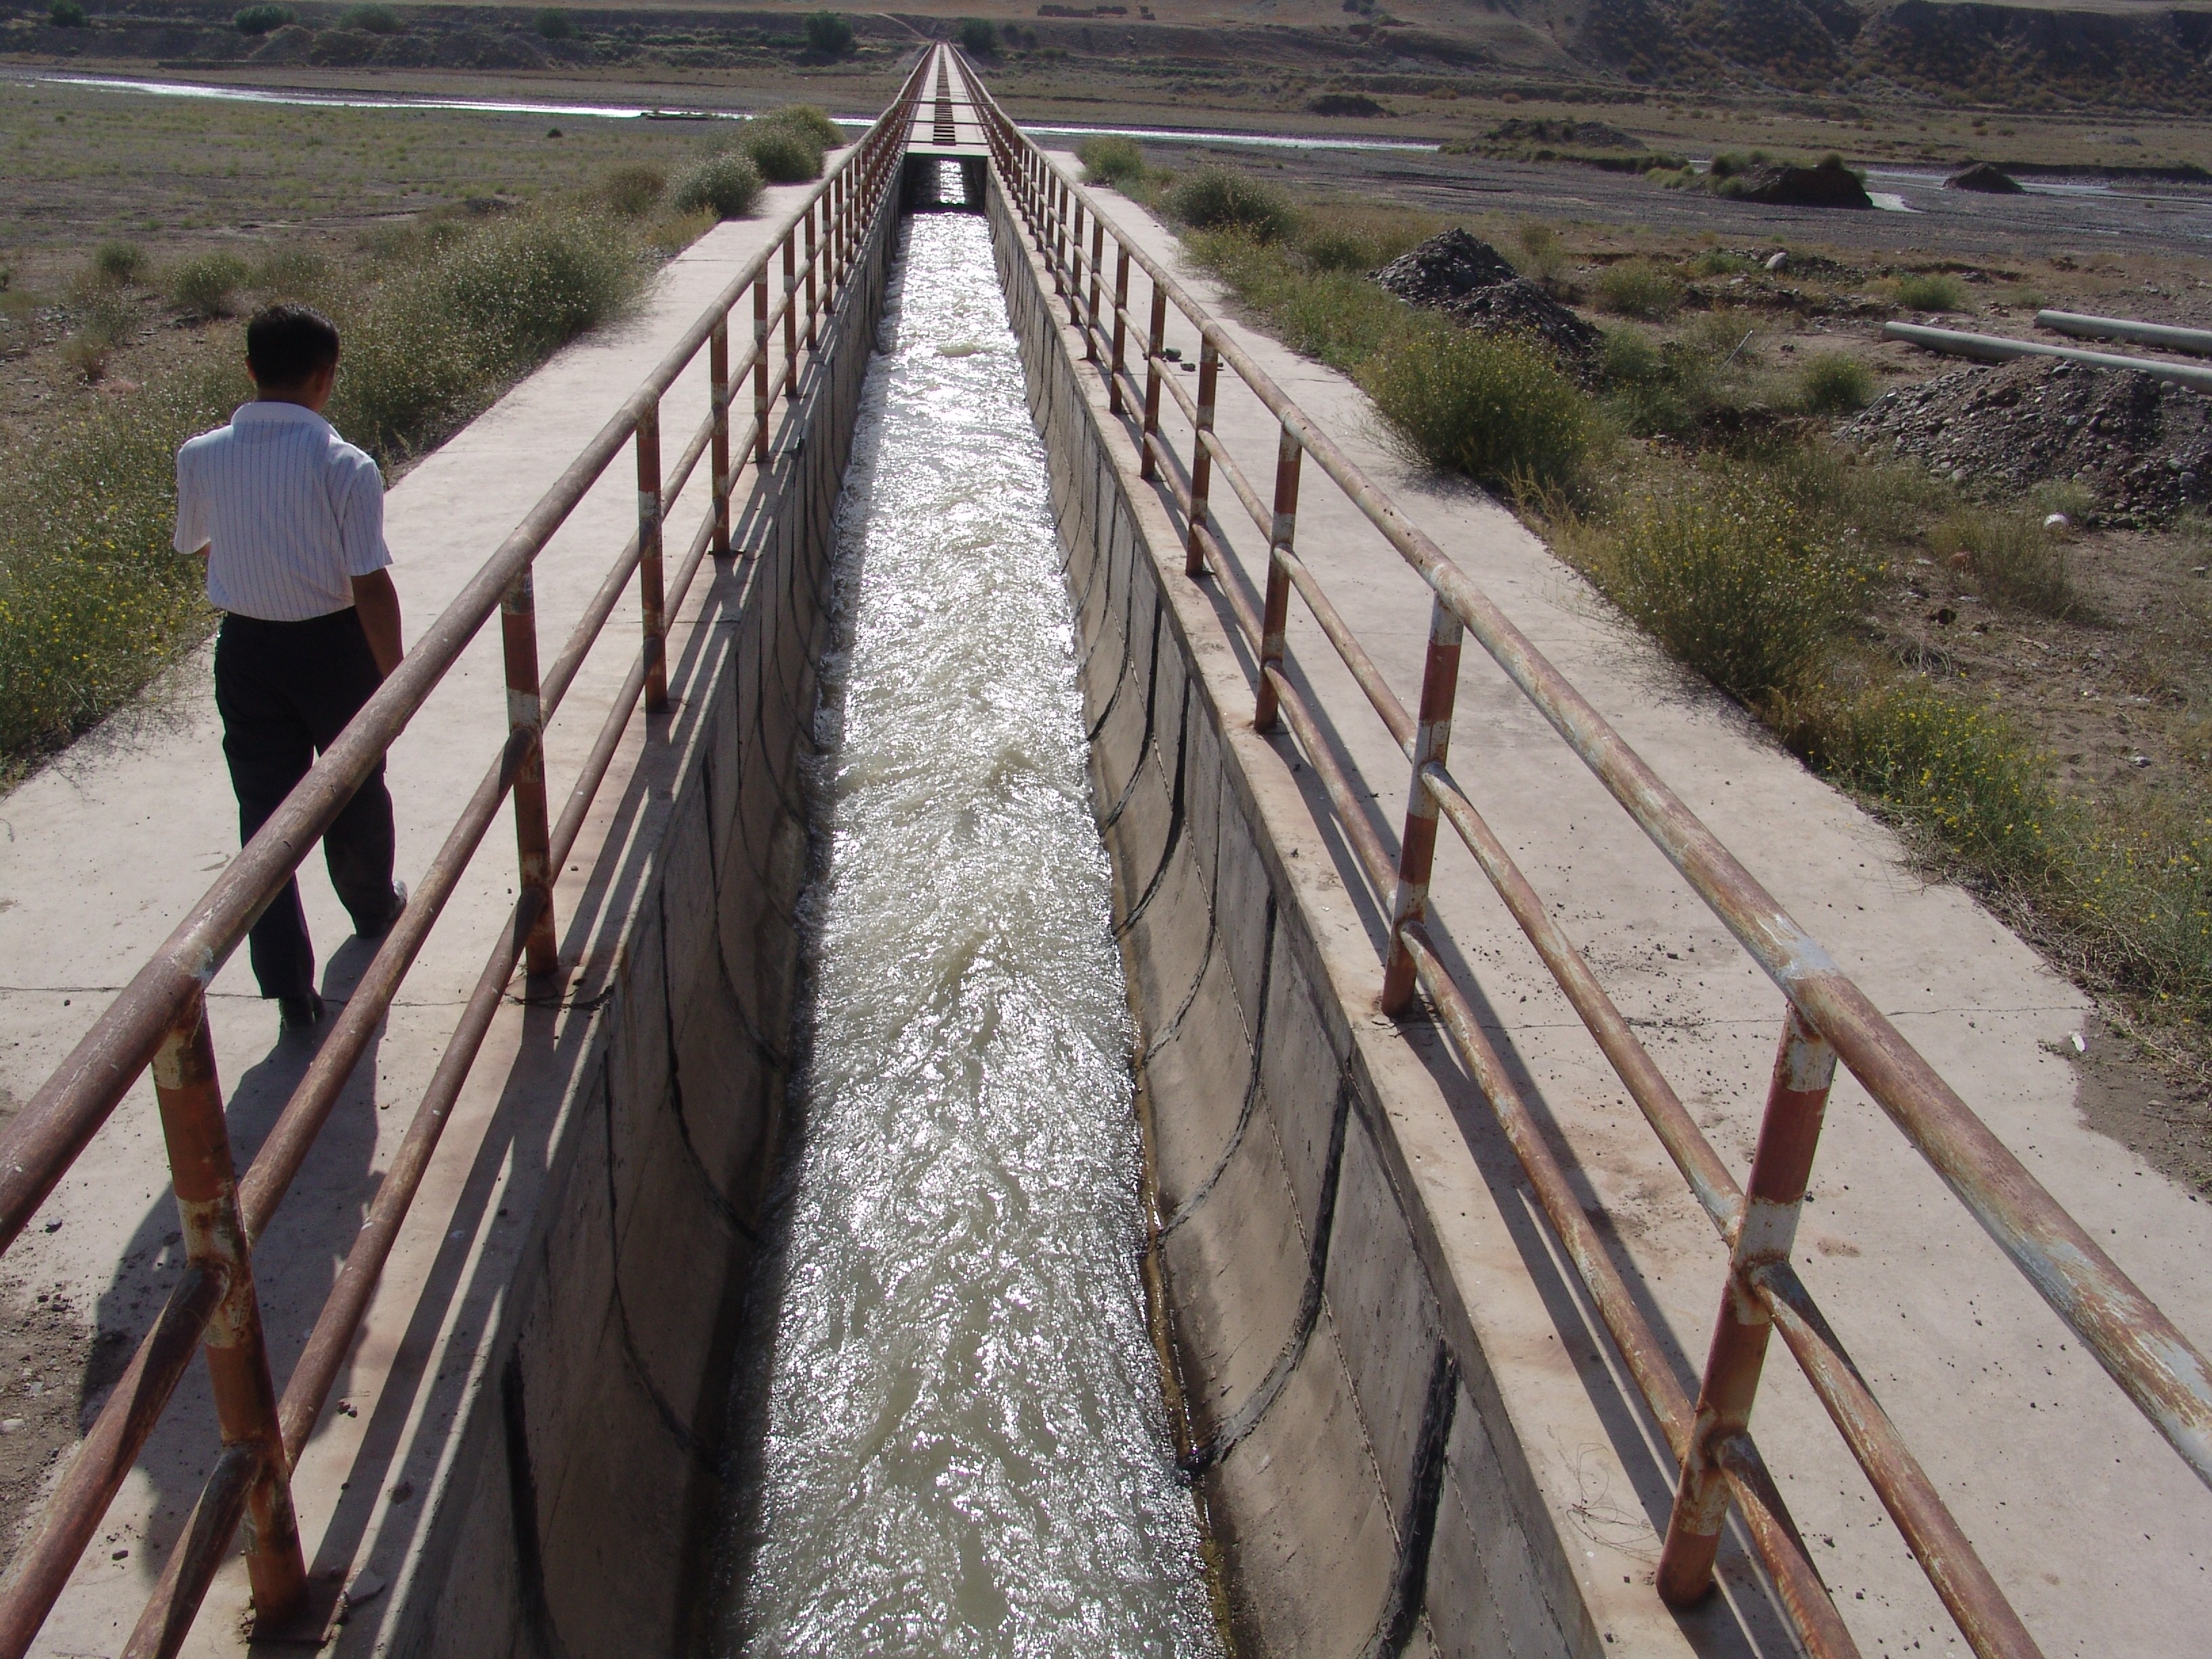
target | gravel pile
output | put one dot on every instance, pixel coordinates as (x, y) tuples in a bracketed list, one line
[(1470, 280), (2142, 447)]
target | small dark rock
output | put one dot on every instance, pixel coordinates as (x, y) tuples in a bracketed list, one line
[(1984, 177)]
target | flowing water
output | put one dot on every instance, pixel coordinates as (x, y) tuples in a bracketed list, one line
[(961, 1448)]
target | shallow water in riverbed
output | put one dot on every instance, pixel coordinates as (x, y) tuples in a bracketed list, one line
[(959, 1446)]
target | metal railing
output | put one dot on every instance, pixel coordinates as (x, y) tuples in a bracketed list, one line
[(161, 1017), (1828, 1017)]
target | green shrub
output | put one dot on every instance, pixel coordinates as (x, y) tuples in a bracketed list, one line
[(827, 33), (260, 20), (1495, 409), (1215, 198), (206, 285), (728, 187), (65, 14), (373, 20), (1639, 287), (978, 38), (2013, 559), (1111, 160), (118, 264), (1734, 578), (812, 121), (1834, 383), (1931, 291), (467, 312), (554, 24), (633, 191), (1542, 256), (785, 153)]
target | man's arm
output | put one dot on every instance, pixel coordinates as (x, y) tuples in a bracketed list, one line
[(378, 603)]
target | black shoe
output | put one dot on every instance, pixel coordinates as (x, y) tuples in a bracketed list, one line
[(300, 1013), (399, 903)]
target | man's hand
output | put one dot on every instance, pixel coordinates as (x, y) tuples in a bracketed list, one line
[(378, 603)]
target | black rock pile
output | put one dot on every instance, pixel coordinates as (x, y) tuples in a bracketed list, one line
[(2142, 446), (1468, 279)]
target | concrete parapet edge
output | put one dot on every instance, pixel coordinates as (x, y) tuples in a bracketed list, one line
[(1392, 1386)]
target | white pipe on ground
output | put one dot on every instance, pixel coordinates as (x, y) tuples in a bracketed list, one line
[(1995, 348), (2197, 341)]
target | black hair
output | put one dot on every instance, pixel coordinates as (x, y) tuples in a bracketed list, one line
[(286, 345)]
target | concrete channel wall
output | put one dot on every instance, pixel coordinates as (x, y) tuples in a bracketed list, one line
[(1361, 1477), (583, 1484)]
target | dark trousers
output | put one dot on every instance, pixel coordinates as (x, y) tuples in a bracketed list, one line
[(285, 692)]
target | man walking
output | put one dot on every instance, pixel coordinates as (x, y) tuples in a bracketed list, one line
[(290, 518)]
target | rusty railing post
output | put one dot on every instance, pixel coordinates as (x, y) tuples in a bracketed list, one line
[(1275, 610), (1120, 325), (813, 290), (718, 370), (648, 557), (791, 315), (1417, 848), (1789, 1135), (189, 1092), (1201, 458), (1097, 260), (525, 719), (1157, 344), (760, 367), (1073, 253)]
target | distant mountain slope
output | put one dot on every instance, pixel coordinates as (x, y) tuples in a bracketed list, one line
[(2150, 56)]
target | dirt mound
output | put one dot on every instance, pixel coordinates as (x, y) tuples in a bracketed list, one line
[(1345, 103), (1520, 307), (2142, 447), (1787, 186), (1471, 282), (1448, 267), (1985, 176)]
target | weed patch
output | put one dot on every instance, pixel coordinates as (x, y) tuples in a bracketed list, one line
[(1640, 289), (206, 287), (1215, 198), (2012, 558), (1834, 383), (1931, 291), (727, 186), (1111, 160), (1491, 409)]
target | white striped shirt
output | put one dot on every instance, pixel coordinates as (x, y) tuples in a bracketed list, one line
[(288, 510)]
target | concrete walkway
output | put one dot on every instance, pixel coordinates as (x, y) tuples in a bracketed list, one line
[(102, 851), (2096, 1530)]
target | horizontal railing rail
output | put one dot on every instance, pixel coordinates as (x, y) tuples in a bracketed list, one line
[(159, 1019), (1828, 1017)]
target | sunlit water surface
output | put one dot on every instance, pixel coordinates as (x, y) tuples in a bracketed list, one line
[(964, 1450)]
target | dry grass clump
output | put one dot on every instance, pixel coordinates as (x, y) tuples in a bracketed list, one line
[(1834, 383), (728, 187), (1735, 573), (206, 285), (1640, 289), (1217, 198), (1111, 160), (1931, 291), (1491, 409), (2011, 556), (633, 191)]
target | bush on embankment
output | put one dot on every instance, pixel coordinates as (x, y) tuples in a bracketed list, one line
[(440, 319)]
